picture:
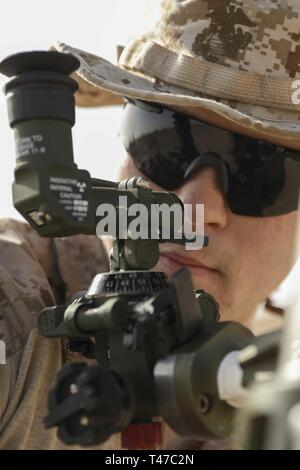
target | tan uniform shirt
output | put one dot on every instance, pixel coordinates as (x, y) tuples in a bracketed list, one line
[(34, 273)]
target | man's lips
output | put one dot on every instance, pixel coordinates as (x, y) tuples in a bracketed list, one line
[(174, 262)]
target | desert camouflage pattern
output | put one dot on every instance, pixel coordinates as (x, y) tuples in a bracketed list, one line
[(261, 36), (241, 39), (35, 273), (257, 36)]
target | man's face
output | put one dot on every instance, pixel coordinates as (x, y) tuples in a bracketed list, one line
[(247, 257)]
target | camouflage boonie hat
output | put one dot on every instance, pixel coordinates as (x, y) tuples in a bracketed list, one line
[(237, 59)]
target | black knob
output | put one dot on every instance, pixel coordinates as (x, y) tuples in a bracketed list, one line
[(88, 404)]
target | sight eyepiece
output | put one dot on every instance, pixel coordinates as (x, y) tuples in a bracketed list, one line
[(49, 190), (41, 87), (56, 197)]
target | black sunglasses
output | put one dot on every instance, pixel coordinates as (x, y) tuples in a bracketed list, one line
[(258, 178)]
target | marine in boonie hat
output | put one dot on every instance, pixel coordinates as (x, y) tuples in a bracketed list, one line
[(232, 63)]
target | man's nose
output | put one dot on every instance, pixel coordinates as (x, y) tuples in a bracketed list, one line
[(203, 186)]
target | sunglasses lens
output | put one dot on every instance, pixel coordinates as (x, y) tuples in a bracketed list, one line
[(263, 179), (158, 144)]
